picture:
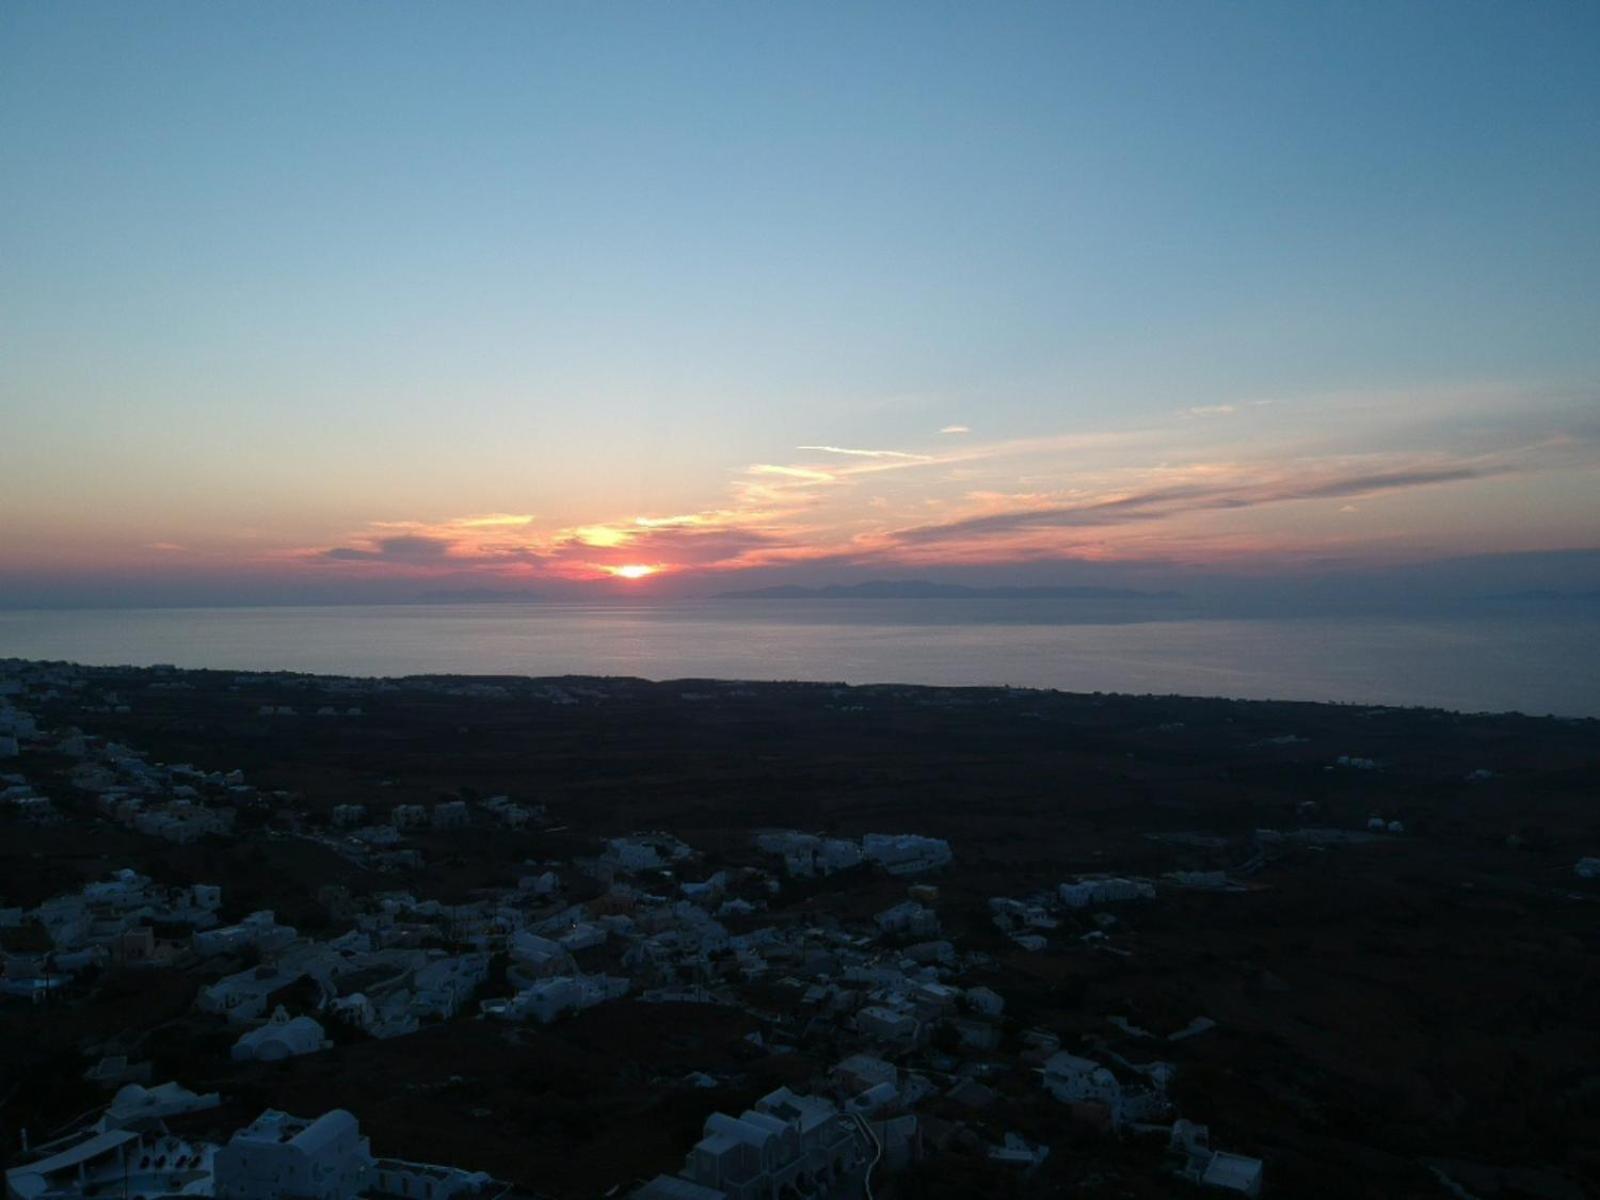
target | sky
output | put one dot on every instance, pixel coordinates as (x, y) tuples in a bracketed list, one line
[(346, 300)]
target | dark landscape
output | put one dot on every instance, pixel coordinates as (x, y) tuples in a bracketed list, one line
[(1397, 1010), (799, 601)]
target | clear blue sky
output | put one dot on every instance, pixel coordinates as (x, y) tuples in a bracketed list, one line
[(293, 268)]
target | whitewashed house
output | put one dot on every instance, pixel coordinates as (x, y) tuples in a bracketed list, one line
[(242, 997), (281, 1037), (786, 1144), (138, 1107), (408, 816), (905, 853), (538, 957), (451, 814), (1076, 1080), (552, 998), (908, 917), (111, 1162), (424, 1181), (279, 1156), (986, 1002), (1090, 890), (348, 816), (890, 1026)]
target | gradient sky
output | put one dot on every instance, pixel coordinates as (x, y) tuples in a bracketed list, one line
[(323, 295)]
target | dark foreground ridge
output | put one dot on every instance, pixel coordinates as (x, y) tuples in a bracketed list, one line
[(993, 942)]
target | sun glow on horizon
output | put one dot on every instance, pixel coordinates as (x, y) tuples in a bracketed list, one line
[(633, 571)]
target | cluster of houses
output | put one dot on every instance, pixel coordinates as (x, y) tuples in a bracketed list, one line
[(125, 920), (18, 727), (17, 795), (913, 1012), (807, 854), (384, 840), (130, 1151), (1089, 891), (890, 986), (1030, 922), (179, 803), (377, 977), (784, 1144)]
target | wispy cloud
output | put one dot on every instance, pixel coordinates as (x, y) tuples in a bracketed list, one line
[(807, 473), (406, 548), (1238, 492), (956, 429), (869, 453), (496, 521), (1172, 489)]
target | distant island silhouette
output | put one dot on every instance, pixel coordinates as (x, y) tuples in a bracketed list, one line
[(477, 595), (921, 589)]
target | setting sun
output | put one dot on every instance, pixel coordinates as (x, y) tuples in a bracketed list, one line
[(633, 571)]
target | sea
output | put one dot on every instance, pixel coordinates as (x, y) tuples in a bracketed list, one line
[(1536, 664)]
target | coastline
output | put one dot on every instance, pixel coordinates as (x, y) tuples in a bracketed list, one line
[(1467, 663)]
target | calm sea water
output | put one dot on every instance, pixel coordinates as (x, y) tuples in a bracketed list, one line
[(1540, 665)]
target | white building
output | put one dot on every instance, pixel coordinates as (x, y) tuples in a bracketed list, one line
[(807, 854), (452, 814), (348, 816), (138, 1107), (905, 853), (908, 917), (111, 1162), (891, 1026), (424, 1181), (278, 1156), (281, 1037), (17, 724), (785, 1145), (1076, 1080), (985, 1001), (837, 854), (644, 852), (242, 997), (546, 883), (861, 1072), (260, 930), (549, 999), (538, 957), (1232, 1173), (581, 936), (1089, 890), (1016, 1151)]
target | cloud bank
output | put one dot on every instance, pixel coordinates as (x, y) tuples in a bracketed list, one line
[(1267, 484)]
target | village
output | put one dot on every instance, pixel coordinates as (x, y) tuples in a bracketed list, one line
[(888, 1020)]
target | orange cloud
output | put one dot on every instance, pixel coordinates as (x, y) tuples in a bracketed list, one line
[(1180, 490)]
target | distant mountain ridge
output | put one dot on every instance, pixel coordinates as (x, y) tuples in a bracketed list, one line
[(1547, 594), (477, 595), (921, 589)]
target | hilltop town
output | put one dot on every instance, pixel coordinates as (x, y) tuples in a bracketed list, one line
[(275, 934)]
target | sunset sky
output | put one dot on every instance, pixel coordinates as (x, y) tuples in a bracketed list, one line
[(358, 300)]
